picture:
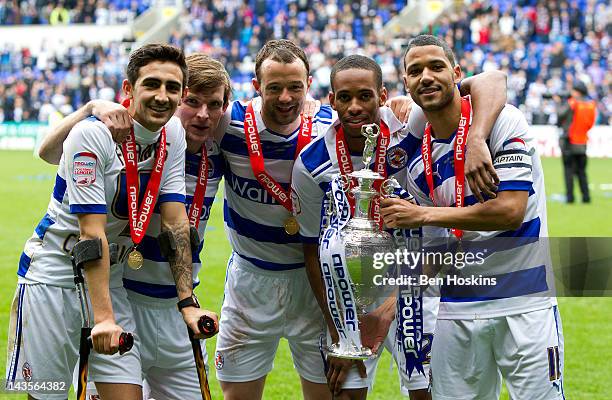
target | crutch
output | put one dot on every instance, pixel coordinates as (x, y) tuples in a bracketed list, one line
[(84, 251)]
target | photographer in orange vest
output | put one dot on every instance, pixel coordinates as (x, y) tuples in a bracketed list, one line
[(575, 118)]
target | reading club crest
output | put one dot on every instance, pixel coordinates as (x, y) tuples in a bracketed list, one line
[(26, 371), (218, 360), (397, 157)]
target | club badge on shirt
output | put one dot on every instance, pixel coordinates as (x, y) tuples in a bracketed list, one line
[(84, 168), (397, 157)]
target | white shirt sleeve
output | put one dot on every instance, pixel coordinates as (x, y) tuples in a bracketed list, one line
[(307, 199), (173, 180), (417, 121), (88, 151), (512, 148)]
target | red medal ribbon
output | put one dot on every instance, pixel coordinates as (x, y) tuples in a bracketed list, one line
[(345, 164), (459, 157), (197, 204), (139, 219), (257, 159)]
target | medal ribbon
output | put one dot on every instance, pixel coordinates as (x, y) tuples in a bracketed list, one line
[(140, 218), (345, 165), (257, 159), (459, 157), (197, 204)]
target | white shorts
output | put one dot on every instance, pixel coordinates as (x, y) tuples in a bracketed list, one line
[(166, 354), (470, 357), (416, 381), (259, 308), (44, 336)]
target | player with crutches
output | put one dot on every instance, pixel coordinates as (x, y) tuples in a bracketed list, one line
[(84, 251), (95, 198), (166, 353)]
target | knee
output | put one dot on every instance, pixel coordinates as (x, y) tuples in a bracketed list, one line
[(421, 394), (252, 390)]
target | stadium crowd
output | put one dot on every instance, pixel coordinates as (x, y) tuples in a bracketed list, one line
[(543, 47), (100, 12)]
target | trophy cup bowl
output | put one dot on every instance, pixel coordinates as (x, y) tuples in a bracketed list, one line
[(361, 239)]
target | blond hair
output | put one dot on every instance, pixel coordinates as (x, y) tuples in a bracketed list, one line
[(207, 73)]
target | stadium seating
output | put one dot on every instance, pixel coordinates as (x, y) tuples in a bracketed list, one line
[(543, 46)]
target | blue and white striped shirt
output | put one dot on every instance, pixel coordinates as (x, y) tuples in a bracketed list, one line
[(519, 261), (254, 220)]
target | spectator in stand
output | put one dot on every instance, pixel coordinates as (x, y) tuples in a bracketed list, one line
[(59, 15)]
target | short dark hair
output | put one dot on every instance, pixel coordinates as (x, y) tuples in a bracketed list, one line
[(282, 50), (155, 52), (429, 40), (356, 61)]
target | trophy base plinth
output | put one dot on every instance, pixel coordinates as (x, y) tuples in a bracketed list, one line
[(354, 353)]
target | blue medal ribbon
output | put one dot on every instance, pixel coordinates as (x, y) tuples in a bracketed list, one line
[(409, 312)]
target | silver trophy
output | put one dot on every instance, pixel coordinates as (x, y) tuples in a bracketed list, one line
[(362, 238)]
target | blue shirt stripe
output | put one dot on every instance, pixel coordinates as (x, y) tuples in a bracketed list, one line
[(511, 284), (271, 150), (442, 170), (238, 111), (315, 155), (43, 225), (152, 289), (251, 229), (271, 266), (325, 112), (516, 185), (171, 197), (59, 189), (528, 229), (88, 209), (192, 165), (24, 265)]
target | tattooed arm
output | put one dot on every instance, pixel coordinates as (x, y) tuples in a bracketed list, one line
[(174, 219)]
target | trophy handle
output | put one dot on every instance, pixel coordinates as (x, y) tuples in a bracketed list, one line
[(387, 188)]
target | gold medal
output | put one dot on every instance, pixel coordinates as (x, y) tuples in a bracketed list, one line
[(291, 226), (135, 260)]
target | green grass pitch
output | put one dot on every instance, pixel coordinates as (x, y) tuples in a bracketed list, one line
[(25, 187)]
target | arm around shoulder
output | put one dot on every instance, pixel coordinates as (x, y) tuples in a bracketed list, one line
[(50, 149), (114, 116)]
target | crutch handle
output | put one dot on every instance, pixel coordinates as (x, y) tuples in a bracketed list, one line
[(126, 341), (206, 325)]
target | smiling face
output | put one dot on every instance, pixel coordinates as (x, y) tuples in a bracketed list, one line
[(357, 98), (430, 78), (283, 88), (200, 114), (156, 93)]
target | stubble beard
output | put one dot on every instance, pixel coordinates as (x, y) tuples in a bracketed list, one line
[(446, 99)]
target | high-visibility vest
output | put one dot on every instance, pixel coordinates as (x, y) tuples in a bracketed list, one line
[(583, 120)]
